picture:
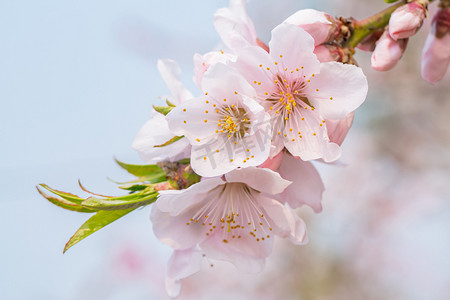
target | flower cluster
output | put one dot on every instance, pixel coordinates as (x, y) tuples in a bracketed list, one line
[(264, 112), (229, 164)]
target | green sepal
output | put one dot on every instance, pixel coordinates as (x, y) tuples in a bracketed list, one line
[(163, 109), (171, 141), (391, 1), (63, 203), (94, 223), (119, 204), (170, 103)]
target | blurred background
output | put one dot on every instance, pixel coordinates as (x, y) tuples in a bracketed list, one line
[(77, 81)]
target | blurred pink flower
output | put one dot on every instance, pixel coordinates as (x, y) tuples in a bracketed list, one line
[(156, 131), (299, 92), (436, 52), (226, 127), (387, 52), (321, 26), (406, 20), (231, 218)]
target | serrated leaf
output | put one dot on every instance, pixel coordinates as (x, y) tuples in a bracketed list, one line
[(64, 195), (140, 170), (113, 204), (163, 109), (65, 204), (171, 141), (94, 223)]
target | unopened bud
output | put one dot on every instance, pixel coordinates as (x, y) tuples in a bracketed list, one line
[(321, 26), (406, 20), (436, 52), (387, 52)]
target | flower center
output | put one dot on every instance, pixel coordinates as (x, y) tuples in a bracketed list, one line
[(233, 121), (232, 211), (288, 96)]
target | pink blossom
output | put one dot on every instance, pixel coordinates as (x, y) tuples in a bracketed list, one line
[(321, 26), (387, 52), (436, 52), (156, 131), (203, 62), (406, 20), (234, 26), (226, 127), (299, 92), (232, 218)]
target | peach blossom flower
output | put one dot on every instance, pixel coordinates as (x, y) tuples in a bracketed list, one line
[(226, 127), (232, 218), (299, 92)]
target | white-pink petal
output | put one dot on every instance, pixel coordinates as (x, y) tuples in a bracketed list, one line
[(262, 180), (286, 222), (247, 254), (156, 132), (234, 26), (182, 263), (170, 72), (292, 47), (337, 90), (307, 186)]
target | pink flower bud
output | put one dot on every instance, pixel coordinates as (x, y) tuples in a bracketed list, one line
[(436, 52), (406, 20), (321, 26), (387, 52)]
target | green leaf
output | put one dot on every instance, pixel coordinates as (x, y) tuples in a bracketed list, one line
[(96, 222), (64, 203), (163, 109), (64, 195), (112, 204), (141, 170), (171, 141), (390, 1)]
